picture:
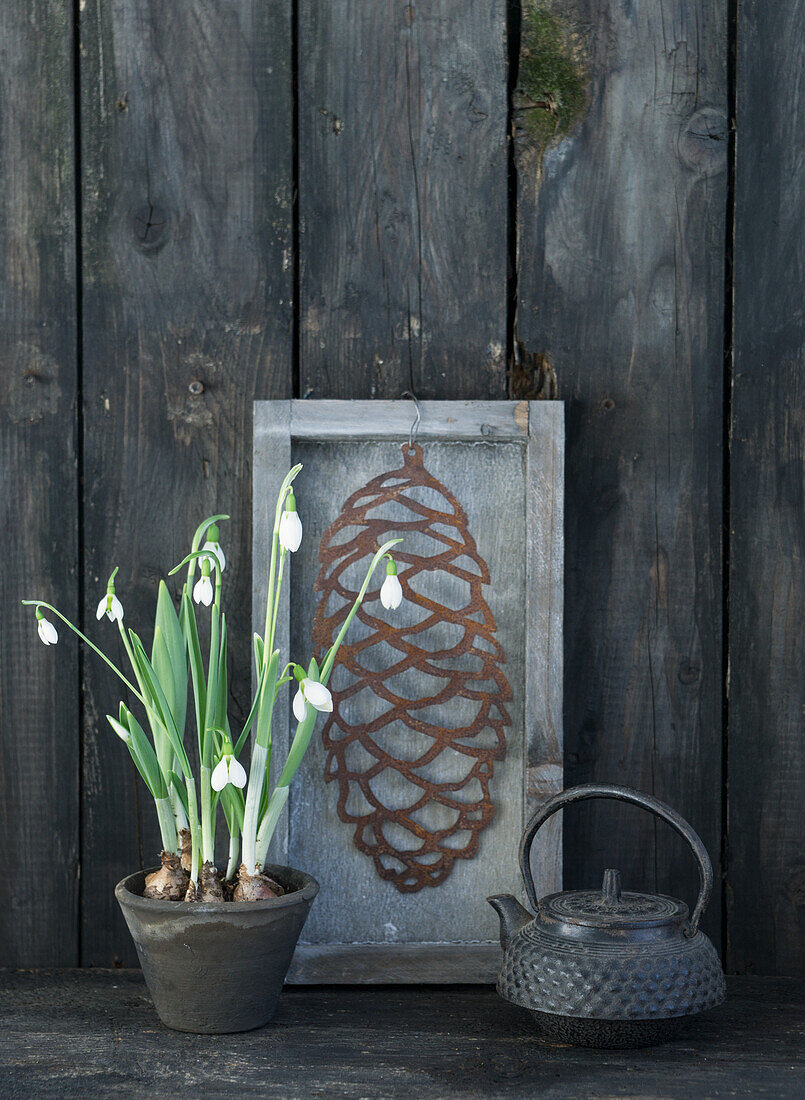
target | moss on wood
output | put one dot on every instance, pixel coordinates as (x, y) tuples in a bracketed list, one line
[(551, 87)]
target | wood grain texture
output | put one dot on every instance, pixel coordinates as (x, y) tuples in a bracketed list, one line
[(766, 838), (187, 120), (620, 259), (186, 188), (72, 1034), (402, 198), (476, 421), (38, 486), (544, 617), (395, 964)]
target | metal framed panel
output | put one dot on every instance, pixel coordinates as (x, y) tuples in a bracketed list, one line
[(503, 460)]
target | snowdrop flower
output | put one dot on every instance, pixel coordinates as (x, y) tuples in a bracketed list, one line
[(110, 605), (202, 589), (391, 592), (310, 691), (299, 706), (47, 631), (213, 545), (290, 531), (228, 770)]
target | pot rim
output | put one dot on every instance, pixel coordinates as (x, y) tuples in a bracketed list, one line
[(304, 893)]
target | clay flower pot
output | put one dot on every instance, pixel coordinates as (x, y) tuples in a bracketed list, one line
[(214, 968)]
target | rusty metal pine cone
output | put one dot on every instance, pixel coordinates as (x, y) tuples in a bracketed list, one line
[(414, 781)]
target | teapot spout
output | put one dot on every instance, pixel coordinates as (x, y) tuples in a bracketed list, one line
[(512, 916)]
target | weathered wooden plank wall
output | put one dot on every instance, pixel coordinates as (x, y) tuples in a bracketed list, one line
[(196, 123), (402, 162), (39, 761), (187, 176), (620, 259), (766, 759)]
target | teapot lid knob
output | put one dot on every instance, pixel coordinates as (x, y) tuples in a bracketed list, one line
[(611, 887)]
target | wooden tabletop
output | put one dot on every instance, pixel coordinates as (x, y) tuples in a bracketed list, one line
[(94, 1033)]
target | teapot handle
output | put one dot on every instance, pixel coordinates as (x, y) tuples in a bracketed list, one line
[(620, 794)]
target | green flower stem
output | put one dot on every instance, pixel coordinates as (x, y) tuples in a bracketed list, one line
[(167, 824), (162, 745), (261, 758), (232, 865), (327, 667), (207, 818), (179, 816), (195, 833), (192, 557), (164, 752), (163, 714), (92, 646), (276, 804), (244, 733), (205, 745), (132, 661), (201, 531), (261, 749), (283, 556), (270, 596), (257, 771), (274, 544)]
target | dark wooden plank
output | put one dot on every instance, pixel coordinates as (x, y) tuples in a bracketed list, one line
[(38, 485), (95, 1033), (621, 186), (766, 869), (187, 181), (403, 208)]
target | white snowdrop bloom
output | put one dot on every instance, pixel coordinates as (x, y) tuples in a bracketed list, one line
[(215, 548), (237, 773), (391, 592), (311, 691), (228, 770), (47, 631), (290, 530), (299, 706), (317, 695), (202, 591), (111, 607)]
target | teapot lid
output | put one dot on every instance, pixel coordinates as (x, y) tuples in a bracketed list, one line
[(589, 914), (609, 907)]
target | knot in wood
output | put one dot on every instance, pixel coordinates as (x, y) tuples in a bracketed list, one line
[(703, 141), (149, 224)]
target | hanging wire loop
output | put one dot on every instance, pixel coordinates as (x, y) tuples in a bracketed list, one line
[(417, 419)]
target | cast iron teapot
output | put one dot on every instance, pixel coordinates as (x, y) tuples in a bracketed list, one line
[(608, 968)]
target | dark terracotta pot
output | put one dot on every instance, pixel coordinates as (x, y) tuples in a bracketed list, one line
[(214, 968)]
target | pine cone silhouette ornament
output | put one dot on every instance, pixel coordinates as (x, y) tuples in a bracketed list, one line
[(419, 693)]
